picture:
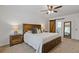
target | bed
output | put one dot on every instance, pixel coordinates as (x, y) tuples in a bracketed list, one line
[(41, 42)]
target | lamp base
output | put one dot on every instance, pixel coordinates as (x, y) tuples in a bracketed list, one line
[(15, 33)]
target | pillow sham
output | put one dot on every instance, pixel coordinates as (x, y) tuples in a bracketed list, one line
[(34, 30)]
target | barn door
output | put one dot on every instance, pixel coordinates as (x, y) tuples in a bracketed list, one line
[(52, 25)]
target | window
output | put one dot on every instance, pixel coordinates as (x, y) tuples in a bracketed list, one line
[(58, 26)]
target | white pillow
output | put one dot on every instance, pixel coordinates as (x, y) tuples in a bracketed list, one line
[(38, 31)]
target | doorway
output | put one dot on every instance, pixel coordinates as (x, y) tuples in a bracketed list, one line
[(67, 29)]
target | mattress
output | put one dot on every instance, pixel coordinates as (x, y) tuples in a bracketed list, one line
[(37, 40), (49, 36)]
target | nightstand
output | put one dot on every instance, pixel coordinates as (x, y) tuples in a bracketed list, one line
[(16, 39)]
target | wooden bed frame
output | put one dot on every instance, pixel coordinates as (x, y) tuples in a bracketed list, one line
[(47, 46)]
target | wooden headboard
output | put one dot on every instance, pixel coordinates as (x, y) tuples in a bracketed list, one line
[(27, 27)]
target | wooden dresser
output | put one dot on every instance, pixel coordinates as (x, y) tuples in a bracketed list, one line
[(16, 39)]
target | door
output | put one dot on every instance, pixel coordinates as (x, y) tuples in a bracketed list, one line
[(52, 25)]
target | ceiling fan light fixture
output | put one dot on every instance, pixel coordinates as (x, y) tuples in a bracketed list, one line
[(50, 12)]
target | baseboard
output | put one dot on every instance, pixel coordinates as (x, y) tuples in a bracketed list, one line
[(5, 45), (74, 39)]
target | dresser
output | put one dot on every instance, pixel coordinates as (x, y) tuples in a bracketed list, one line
[(16, 39)]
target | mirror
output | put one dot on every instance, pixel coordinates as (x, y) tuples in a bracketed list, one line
[(67, 29)]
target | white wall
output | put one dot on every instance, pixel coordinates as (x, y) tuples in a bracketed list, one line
[(17, 15), (74, 18)]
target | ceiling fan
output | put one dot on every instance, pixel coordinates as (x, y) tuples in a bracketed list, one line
[(51, 9)]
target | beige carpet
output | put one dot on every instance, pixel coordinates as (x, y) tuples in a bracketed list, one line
[(67, 46), (19, 48)]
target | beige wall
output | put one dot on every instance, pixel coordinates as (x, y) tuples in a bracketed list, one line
[(10, 15)]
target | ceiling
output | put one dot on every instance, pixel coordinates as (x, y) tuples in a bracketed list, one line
[(35, 10), (65, 10)]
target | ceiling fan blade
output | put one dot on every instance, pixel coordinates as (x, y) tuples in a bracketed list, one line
[(57, 7), (55, 11), (46, 12)]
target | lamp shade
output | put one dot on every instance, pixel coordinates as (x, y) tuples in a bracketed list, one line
[(15, 28)]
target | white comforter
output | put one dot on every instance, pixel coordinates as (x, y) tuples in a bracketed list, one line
[(37, 40)]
